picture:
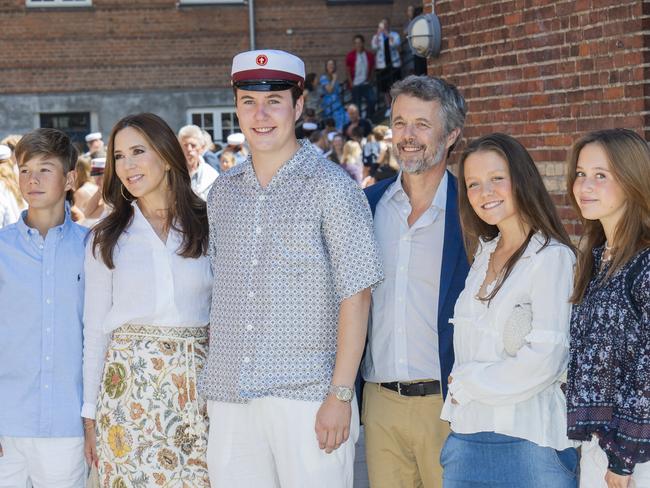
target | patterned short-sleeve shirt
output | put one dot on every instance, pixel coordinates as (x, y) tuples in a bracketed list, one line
[(284, 257)]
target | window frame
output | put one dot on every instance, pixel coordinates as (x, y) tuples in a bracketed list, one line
[(216, 113)]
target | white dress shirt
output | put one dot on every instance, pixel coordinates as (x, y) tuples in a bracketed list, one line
[(519, 395), (403, 331), (202, 179), (150, 285)]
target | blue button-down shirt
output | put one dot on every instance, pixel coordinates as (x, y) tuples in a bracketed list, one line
[(41, 305)]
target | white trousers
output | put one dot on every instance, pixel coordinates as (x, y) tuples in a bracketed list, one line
[(271, 443), (593, 467), (51, 462)]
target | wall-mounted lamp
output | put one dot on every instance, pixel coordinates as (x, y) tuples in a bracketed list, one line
[(425, 35)]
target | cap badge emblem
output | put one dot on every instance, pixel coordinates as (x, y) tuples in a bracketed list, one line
[(262, 60)]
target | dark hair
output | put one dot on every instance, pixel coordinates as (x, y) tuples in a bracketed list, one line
[(310, 79), (531, 200), (187, 211), (47, 142), (359, 36), (629, 162)]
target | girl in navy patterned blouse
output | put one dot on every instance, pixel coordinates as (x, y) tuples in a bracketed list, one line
[(608, 390)]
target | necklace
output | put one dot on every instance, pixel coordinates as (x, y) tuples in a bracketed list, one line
[(607, 254)]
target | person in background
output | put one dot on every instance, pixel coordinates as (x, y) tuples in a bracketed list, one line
[(235, 143), (506, 408), (410, 347), (85, 189), (336, 152), (41, 299), (312, 95), (356, 121), (11, 141), (351, 160), (202, 175), (94, 142), (209, 154), (386, 44), (331, 93), (608, 384), (11, 200), (146, 309), (361, 65), (226, 161)]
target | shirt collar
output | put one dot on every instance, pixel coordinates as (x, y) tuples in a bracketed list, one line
[(27, 231), (302, 163), (439, 200)]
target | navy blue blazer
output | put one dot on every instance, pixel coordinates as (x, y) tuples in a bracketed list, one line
[(455, 267)]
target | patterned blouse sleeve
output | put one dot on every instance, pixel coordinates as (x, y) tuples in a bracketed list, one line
[(349, 237), (626, 439)]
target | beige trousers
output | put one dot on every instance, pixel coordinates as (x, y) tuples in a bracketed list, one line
[(404, 437)]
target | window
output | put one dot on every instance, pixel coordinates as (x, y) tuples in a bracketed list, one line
[(219, 122), (59, 3), (75, 124)]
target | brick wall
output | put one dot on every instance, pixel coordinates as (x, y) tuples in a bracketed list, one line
[(547, 71), (153, 44)]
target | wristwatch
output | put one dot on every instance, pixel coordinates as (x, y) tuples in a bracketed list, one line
[(343, 393)]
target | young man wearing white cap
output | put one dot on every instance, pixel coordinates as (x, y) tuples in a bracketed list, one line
[(294, 257), (94, 142)]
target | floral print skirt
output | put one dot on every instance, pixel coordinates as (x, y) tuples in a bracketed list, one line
[(152, 428)]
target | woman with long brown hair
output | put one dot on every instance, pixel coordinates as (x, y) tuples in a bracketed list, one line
[(608, 394), (148, 283), (511, 328)]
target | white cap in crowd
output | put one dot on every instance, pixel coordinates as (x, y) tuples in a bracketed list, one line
[(93, 136), (267, 70), (5, 152), (309, 126), (236, 139)]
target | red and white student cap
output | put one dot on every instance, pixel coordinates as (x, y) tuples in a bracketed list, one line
[(267, 70)]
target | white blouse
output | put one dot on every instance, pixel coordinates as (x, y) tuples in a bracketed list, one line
[(150, 285), (518, 395)]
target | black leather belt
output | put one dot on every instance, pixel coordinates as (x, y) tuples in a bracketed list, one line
[(423, 388)]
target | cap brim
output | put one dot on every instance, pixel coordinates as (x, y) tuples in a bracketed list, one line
[(264, 85)]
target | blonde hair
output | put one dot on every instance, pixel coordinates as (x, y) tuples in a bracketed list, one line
[(351, 153), (8, 177), (83, 168), (629, 162)]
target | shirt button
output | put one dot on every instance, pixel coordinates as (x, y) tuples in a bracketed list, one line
[(40, 246), (249, 327), (262, 198), (251, 294), (48, 301), (247, 360), (401, 268), (254, 262), (258, 230), (47, 358), (48, 272), (402, 360), (46, 386), (47, 330)]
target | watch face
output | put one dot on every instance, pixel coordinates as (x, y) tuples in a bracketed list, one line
[(344, 394)]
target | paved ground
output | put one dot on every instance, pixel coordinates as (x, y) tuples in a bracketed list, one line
[(360, 471)]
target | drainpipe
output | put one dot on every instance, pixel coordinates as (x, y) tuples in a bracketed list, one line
[(251, 22)]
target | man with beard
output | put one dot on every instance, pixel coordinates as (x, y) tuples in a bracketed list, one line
[(410, 350)]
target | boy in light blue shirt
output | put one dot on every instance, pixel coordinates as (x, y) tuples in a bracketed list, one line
[(41, 304)]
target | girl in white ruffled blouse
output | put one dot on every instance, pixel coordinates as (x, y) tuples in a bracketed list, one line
[(511, 327)]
